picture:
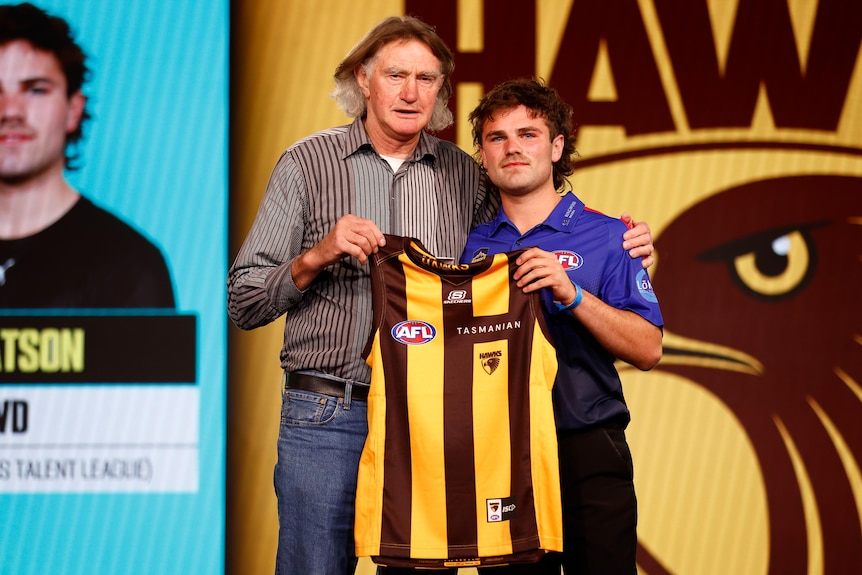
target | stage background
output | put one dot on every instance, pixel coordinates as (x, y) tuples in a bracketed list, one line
[(155, 154), (735, 129)]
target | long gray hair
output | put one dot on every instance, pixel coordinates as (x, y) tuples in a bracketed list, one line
[(347, 92)]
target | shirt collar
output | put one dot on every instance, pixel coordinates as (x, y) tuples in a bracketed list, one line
[(564, 215), (561, 219), (357, 139)]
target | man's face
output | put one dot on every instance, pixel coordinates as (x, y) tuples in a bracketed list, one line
[(35, 113), (518, 152), (401, 90)]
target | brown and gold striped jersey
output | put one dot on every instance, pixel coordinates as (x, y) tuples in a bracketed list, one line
[(460, 465)]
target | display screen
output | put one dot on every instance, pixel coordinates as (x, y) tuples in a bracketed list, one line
[(112, 415)]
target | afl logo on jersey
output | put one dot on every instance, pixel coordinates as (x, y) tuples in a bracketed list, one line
[(494, 510), (413, 332), (570, 260)]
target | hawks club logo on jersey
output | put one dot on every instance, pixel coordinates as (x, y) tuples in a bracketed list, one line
[(413, 332), (569, 260)]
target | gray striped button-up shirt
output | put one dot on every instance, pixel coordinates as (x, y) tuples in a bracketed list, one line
[(436, 196)]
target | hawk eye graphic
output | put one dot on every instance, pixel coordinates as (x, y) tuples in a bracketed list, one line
[(756, 284), (490, 365), (771, 265)]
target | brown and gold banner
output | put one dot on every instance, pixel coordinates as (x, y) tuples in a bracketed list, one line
[(734, 127)]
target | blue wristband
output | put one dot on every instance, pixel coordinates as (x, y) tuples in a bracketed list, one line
[(579, 295)]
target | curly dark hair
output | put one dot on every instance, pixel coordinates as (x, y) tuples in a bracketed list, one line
[(542, 101), (50, 34)]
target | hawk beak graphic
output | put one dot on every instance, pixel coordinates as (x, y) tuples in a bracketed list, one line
[(680, 350)]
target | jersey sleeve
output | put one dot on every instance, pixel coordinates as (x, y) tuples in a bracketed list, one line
[(626, 285)]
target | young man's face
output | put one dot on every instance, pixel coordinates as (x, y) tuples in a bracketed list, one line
[(35, 113), (401, 90), (518, 152)]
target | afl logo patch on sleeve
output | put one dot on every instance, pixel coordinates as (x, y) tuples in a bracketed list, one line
[(413, 332)]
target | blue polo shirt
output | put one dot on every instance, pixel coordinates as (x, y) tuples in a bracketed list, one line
[(587, 391)]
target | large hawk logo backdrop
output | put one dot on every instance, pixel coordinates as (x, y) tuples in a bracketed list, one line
[(734, 127)]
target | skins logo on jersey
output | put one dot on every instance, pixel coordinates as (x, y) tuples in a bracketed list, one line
[(413, 332), (569, 260)]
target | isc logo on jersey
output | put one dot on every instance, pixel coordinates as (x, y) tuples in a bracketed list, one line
[(569, 260), (501, 509), (413, 332)]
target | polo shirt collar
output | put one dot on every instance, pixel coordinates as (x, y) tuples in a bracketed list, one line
[(561, 219), (565, 213)]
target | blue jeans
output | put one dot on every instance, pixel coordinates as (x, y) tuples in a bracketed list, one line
[(319, 444)]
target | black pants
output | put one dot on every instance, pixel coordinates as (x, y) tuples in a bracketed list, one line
[(599, 508)]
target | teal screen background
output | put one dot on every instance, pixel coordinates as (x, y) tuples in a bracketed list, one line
[(155, 154)]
